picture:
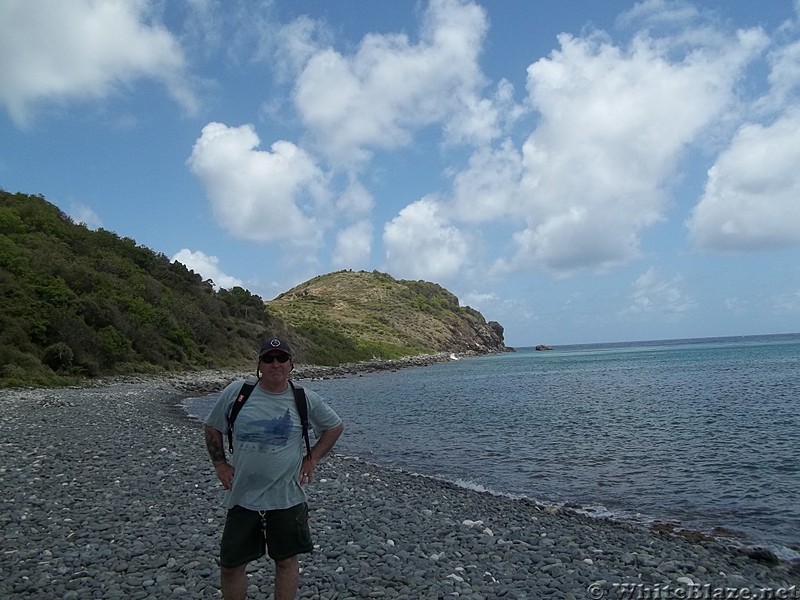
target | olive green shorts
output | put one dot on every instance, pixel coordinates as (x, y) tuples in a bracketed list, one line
[(249, 534)]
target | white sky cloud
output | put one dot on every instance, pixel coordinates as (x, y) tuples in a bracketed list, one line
[(421, 244), (377, 96), (591, 176), (355, 200), (207, 267), (480, 301), (489, 189), (664, 12), (614, 124), (787, 303), (353, 246), (653, 293), (784, 78), (55, 51), (596, 170), (258, 195), (80, 213), (752, 197)]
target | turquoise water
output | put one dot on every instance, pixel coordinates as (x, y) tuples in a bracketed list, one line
[(704, 432)]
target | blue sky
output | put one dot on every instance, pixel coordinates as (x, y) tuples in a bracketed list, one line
[(578, 171)]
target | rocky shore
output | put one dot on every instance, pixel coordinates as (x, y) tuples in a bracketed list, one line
[(211, 381), (108, 493)]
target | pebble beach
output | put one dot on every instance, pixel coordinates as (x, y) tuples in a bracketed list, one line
[(107, 492)]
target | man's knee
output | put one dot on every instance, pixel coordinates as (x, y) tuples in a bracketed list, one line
[(233, 572), (287, 563)]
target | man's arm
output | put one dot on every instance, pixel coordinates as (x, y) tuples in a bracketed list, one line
[(217, 453), (326, 441), (320, 449)]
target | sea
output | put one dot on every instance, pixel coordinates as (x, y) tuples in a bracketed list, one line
[(699, 434)]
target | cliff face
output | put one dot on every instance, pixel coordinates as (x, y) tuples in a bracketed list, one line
[(371, 314)]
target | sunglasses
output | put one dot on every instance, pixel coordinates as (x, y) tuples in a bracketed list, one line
[(281, 358)]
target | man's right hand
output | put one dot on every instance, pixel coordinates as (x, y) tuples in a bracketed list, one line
[(224, 473)]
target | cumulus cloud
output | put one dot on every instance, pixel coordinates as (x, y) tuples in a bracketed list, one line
[(587, 181), (614, 125), (787, 303), (576, 191), (55, 51), (207, 267), (752, 196), (659, 13), (598, 167), (258, 195), (489, 189), (353, 246), (391, 86), (80, 213), (420, 243), (355, 200), (784, 79), (480, 301), (298, 42), (654, 294), (737, 305)]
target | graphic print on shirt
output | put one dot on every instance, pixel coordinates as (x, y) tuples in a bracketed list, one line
[(267, 432)]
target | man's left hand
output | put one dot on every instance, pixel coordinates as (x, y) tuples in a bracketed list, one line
[(307, 469)]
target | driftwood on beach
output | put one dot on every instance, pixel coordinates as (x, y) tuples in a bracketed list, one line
[(108, 493)]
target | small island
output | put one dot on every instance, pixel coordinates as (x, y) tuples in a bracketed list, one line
[(541, 347)]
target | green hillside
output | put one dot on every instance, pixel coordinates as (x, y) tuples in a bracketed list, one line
[(77, 303), (361, 315)]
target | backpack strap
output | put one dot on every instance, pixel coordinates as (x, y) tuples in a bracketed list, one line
[(302, 409), (244, 394), (300, 402)]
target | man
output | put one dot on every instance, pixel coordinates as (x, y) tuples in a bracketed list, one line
[(267, 509)]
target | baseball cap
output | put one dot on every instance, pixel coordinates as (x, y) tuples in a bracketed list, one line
[(275, 343)]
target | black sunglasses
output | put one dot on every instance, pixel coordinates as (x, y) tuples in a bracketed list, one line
[(281, 358)]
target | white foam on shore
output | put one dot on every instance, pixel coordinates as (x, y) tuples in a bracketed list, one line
[(600, 512)]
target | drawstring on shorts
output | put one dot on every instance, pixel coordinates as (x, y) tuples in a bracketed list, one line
[(263, 515)]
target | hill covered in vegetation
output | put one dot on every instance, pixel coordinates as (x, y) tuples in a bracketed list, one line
[(370, 314), (78, 303)]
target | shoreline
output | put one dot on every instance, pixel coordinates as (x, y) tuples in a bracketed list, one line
[(109, 491), (208, 381), (213, 380), (724, 534), (723, 537)]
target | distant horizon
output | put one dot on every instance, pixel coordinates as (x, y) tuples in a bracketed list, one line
[(657, 341)]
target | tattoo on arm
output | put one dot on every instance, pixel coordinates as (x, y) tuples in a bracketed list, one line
[(214, 445)]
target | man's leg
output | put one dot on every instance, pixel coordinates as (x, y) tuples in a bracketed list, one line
[(287, 578), (242, 542), (234, 582)]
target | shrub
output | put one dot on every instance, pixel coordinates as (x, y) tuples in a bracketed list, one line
[(58, 357)]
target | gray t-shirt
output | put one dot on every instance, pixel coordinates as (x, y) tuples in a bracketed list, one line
[(268, 445)]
